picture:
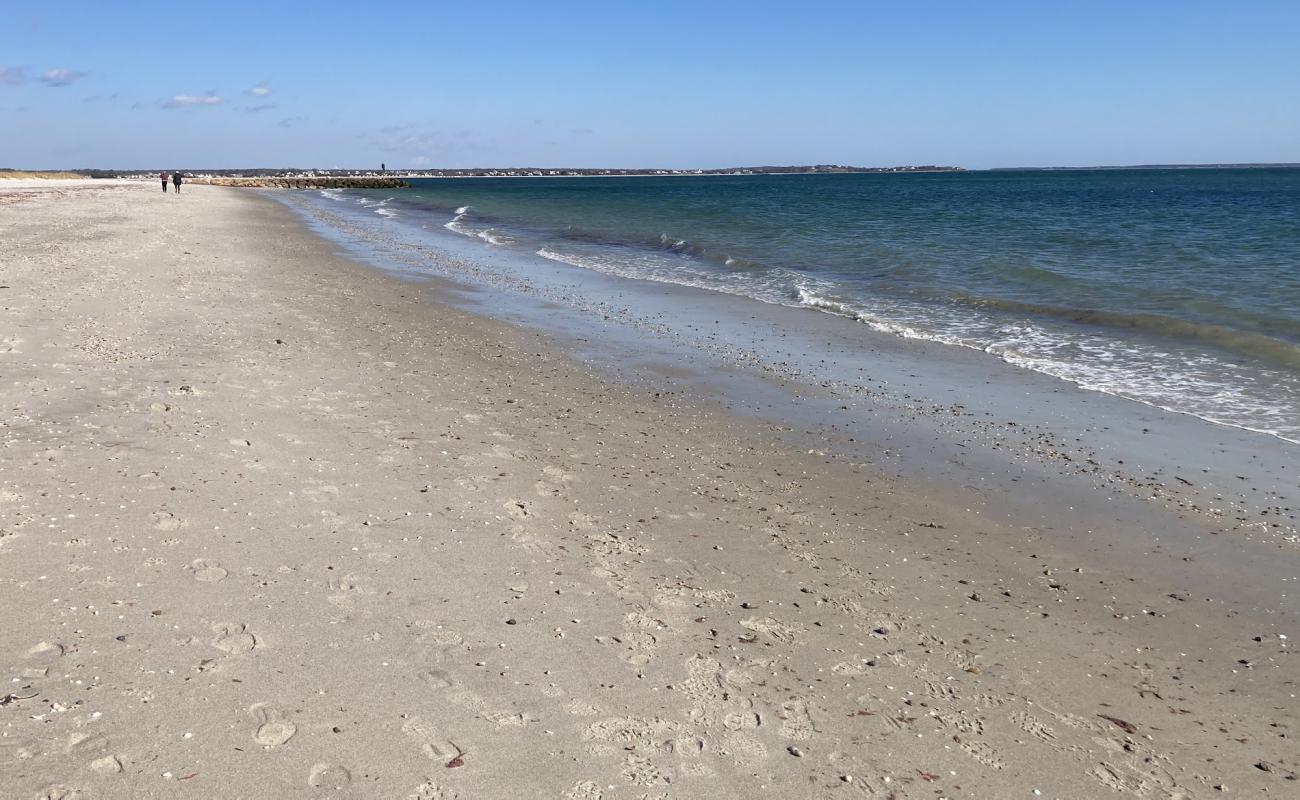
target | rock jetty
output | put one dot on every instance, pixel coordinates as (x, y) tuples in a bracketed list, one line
[(306, 183)]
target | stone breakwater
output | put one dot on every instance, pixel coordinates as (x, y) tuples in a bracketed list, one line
[(306, 183)]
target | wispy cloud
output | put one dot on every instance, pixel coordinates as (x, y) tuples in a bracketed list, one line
[(260, 90), (210, 98), (582, 131), (12, 76), (289, 122), (411, 140), (260, 108), (61, 76)]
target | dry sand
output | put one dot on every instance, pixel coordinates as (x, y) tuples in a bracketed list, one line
[(276, 525)]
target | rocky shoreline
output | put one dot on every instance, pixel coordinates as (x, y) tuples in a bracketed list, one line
[(306, 183)]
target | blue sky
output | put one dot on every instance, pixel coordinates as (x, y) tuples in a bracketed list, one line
[(672, 84)]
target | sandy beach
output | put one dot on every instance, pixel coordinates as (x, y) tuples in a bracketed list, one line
[(276, 524)]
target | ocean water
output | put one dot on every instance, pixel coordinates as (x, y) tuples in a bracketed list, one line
[(1175, 288)]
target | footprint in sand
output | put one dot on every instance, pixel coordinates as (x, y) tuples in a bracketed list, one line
[(584, 790), (329, 776), (83, 743), (519, 509), (347, 588), (108, 765), (165, 521), (15, 749), (553, 482), (432, 791), (233, 638), (983, 753), (44, 653), (430, 741), (435, 635), (797, 723), (1034, 727), (273, 729), (771, 627), (745, 750), (741, 720), (207, 571), (434, 678)]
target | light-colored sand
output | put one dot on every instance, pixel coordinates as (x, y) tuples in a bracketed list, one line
[(275, 525)]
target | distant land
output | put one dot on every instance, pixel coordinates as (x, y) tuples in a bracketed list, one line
[(558, 172), (1252, 165), (505, 172)]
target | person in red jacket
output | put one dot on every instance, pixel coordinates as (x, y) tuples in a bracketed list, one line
[(164, 180)]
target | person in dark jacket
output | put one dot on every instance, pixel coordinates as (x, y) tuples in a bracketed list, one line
[(176, 181)]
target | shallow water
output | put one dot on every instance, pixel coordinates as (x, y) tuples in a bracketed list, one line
[(1177, 288)]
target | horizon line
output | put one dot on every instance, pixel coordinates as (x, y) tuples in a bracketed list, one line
[(822, 165)]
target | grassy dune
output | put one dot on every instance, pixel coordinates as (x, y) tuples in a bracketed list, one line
[(19, 174)]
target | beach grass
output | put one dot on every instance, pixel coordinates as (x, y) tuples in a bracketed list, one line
[(25, 175)]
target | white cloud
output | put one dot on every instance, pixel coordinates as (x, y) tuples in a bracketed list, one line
[(262, 107), (12, 76), (61, 76), (260, 90), (187, 100)]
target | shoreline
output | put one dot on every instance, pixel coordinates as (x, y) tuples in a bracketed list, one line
[(345, 535), (1151, 358), (907, 388)]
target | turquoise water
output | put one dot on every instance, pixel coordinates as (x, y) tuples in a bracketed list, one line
[(1177, 288)]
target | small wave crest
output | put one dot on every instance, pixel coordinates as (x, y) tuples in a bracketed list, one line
[(1248, 343), (461, 223), (456, 225), (1195, 387), (811, 299), (492, 236)]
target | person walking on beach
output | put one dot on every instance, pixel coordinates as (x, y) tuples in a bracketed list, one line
[(176, 181), (164, 180)]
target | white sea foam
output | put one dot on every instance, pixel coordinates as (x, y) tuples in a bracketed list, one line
[(1194, 386), (386, 212), (456, 224), (492, 236)]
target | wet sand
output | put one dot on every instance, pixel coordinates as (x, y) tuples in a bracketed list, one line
[(274, 524)]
